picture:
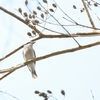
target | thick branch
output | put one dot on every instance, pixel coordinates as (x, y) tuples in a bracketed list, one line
[(78, 34), (12, 69), (12, 52), (82, 34), (33, 27), (12, 14), (88, 14), (20, 19)]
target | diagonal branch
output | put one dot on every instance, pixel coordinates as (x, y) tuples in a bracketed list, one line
[(60, 25), (12, 52), (81, 34), (12, 69), (88, 14), (20, 19), (9, 95)]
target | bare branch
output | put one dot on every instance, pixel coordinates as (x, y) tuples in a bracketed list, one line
[(8, 71), (92, 95), (6, 74), (71, 20), (78, 34), (81, 34), (88, 14), (93, 13), (9, 95), (12, 69), (12, 14), (12, 52), (20, 19), (87, 26), (61, 25)]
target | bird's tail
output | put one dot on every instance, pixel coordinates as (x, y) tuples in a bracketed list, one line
[(34, 75), (31, 68)]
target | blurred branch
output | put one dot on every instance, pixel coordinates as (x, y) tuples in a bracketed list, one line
[(9, 95), (12, 69), (46, 95), (92, 95)]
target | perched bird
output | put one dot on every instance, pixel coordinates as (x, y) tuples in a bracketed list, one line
[(29, 53)]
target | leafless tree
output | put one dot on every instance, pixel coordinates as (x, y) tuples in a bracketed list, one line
[(33, 21)]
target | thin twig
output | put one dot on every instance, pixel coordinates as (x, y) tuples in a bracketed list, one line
[(72, 20), (94, 13), (88, 26), (61, 26), (92, 95), (76, 24), (9, 95), (96, 2)]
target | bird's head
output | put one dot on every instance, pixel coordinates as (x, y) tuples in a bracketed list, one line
[(30, 43)]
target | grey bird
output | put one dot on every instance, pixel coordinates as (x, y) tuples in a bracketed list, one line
[(29, 53)]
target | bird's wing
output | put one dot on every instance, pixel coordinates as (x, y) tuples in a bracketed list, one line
[(28, 54), (34, 56)]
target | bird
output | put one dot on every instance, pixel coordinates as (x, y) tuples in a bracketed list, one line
[(29, 53)]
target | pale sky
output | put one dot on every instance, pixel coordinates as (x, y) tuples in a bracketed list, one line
[(77, 73)]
